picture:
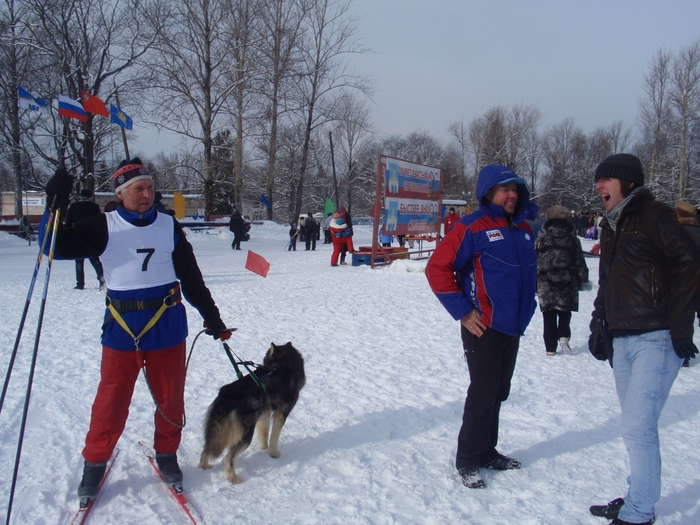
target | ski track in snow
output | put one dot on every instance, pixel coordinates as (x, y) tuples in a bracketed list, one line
[(373, 436)]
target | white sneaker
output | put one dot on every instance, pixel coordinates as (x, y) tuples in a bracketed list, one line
[(564, 344)]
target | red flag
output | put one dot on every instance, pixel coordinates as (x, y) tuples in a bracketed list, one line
[(94, 105), (257, 264)]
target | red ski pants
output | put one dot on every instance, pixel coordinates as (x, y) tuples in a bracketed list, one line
[(338, 246), (119, 371)]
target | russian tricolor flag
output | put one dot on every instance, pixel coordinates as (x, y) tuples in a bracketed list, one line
[(67, 107)]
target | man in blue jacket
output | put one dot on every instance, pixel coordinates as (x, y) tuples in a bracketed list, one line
[(485, 275), (148, 267)]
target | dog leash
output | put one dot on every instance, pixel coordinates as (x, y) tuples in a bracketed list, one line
[(230, 353)]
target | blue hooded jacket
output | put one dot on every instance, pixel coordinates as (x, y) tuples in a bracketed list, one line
[(488, 260)]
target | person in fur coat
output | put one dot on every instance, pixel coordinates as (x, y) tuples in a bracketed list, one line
[(561, 273)]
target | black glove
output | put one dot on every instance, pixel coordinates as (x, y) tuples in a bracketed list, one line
[(684, 347), (597, 347), (58, 190), (217, 329)]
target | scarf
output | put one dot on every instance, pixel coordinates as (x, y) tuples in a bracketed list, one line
[(614, 214)]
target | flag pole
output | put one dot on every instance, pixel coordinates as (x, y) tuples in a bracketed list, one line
[(126, 146)]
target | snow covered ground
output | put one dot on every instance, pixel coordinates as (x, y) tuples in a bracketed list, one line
[(372, 439)]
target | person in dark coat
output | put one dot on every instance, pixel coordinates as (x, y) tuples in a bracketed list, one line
[(649, 290), (326, 231), (312, 230), (238, 227), (561, 273), (77, 213), (158, 203)]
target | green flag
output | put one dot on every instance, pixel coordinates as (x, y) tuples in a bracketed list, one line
[(329, 207)]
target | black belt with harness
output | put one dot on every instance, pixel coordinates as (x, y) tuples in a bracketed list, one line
[(117, 307)]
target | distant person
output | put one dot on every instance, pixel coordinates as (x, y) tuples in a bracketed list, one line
[(561, 273), (312, 229), (293, 234), (158, 203), (643, 320), (341, 234), (77, 213), (326, 232), (160, 207), (584, 222), (347, 245), (574, 220), (385, 240), (485, 275), (238, 228), (537, 222), (451, 219)]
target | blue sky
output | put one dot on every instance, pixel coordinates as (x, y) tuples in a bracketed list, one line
[(439, 61)]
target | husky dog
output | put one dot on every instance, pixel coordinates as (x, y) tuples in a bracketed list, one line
[(244, 404)]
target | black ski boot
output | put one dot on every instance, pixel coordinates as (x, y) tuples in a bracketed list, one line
[(172, 475), (609, 511), (90, 484)]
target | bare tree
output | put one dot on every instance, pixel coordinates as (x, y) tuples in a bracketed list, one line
[(521, 121), (191, 68), (14, 65), (244, 41), (655, 115), (329, 38), (354, 134), (283, 26), (685, 99), (458, 132)]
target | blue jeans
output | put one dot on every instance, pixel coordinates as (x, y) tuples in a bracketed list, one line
[(645, 367)]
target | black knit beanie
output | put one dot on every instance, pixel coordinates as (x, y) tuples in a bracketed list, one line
[(622, 166)]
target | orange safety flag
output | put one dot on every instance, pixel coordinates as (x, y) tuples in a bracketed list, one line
[(257, 264)]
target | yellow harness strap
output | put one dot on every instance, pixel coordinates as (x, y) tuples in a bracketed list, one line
[(149, 325)]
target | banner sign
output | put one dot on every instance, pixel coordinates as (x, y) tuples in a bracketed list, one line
[(412, 197), (33, 201)]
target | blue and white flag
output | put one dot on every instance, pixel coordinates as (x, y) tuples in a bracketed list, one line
[(28, 101), (265, 200), (117, 116)]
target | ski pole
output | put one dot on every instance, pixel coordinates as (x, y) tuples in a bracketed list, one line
[(32, 368), (26, 306)]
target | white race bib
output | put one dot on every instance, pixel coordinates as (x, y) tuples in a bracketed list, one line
[(138, 257)]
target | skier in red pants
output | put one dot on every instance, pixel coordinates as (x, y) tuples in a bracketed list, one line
[(148, 266)]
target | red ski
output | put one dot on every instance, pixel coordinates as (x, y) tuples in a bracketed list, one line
[(84, 511), (175, 490)]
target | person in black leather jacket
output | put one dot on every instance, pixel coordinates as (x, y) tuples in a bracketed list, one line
[(643, 320)]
